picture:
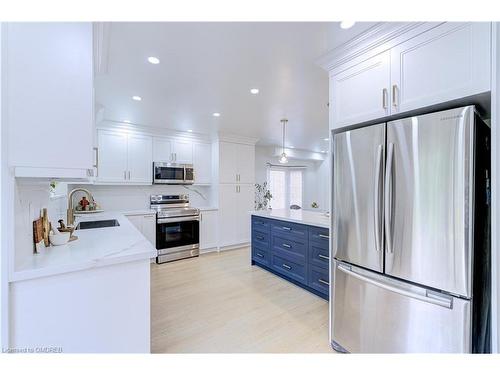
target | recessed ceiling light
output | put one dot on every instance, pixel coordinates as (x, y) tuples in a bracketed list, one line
[(291, 146), (190, 131), (127, 121), (254, 91), (216, 114), (346, 24), (154, 60), (326, 139), (323, 151), (137, 98)]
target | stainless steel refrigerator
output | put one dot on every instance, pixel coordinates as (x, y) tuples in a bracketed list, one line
[(411, 257)]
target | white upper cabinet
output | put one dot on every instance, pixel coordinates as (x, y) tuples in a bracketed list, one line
[(139, 159), (202, 163), (183, 152), (236, 163), (361, 92), (163, 150), (112, 156), (124, 158), (49, 97), (169, 150), (448, 62)]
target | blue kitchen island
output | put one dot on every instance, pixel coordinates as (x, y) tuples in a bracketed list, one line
[(294, 245)]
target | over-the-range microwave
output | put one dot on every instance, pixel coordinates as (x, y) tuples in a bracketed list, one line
[(173, 173)]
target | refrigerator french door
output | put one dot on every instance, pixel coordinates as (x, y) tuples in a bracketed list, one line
[(410, 217)]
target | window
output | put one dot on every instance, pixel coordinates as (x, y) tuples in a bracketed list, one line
[(286, 187)]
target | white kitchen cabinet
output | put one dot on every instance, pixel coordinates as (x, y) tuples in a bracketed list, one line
[(245, 203), (361, 93), (236, 163), (49, 98), (448, 62), (235, 203), (202, 163), (208, 230), (140, 165), (183, 152), (112, 156), (146, 224), (163, 150), (124, 158), (170, 150)]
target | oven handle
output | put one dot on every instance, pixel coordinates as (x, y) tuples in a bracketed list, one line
[(177, 219)]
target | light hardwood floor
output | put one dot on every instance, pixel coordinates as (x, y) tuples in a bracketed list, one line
[(220, 303)]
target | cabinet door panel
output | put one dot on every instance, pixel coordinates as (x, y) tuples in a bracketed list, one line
[(149, 228), (183, 152), (357, 93), (245, 204), (227, 162), (227, 214), (208, 230), (162, 150), (245, 157), (112, 156), (448, 62), (140, 164), (202, 162)]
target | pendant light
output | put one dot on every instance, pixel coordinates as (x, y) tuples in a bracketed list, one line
[(283, 158)]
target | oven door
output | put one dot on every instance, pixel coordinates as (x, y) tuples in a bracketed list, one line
[(175, 234), (168, 173)]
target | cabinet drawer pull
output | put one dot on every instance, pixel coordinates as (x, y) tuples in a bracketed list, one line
[(286, 266), (394, 95), (384, 98), (260, 238), (286, 228), (323, 257), (286, 245), (260, 255), (324, 236), (323, 282)]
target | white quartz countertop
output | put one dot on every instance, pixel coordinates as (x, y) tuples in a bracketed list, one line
[(94, 248), (315, 218)]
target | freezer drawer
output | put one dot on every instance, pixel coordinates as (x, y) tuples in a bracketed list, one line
[(376, 314)]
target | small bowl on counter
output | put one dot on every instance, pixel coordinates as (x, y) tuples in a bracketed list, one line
[(59, 239)]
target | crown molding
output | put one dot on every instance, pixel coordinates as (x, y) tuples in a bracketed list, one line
[(383, 36), (235, 138)]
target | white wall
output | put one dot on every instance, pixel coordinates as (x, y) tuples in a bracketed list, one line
[(316, 176)]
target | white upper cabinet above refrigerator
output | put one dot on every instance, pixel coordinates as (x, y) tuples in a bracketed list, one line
[(49, 98), (444, 62), (361, 92), (169, 150), (448, 62)]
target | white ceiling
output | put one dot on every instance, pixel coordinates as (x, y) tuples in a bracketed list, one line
[(210, 67)]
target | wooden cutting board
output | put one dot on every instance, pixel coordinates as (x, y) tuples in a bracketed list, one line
[(38, 234)]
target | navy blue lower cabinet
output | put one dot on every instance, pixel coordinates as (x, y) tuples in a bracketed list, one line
[(296, 252)]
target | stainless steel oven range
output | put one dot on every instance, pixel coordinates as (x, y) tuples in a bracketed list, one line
[(177, 227)]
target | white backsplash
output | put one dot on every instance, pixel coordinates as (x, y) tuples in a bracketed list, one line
[(129, 197)]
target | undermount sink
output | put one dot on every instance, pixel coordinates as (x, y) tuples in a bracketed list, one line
[(97, 224)]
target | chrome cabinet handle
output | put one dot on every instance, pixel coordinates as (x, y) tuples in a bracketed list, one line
[(286, 245), (287, 228), (259, 237), (286, 266), (96, 157), (395, 92), (323, 282), (384, 98), (129, 175), (388, 198), (376, 199), (260, 255), (324, 236), (124, 175), (323, 257)]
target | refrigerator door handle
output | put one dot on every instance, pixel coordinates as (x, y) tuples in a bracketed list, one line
[(388, 198), (376, 200), (429, 297)]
